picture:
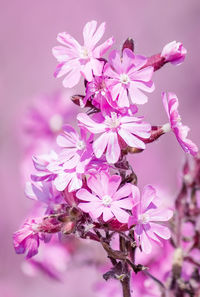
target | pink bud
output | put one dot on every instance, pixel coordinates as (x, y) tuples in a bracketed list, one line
[(68, 227), (128, 43), (50, 225), (115, 225), (174, 52)]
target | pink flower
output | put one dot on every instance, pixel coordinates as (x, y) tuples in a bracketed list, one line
[(74, 148), (62, 177), (71, 178), (44, 193), (67, 167), (174, 52), (171, 103), (98, 93), (41, 164), (26, 239), (145, 216), (105, 198), (127, 78), (44, 124), (76, 59), (115, 128)]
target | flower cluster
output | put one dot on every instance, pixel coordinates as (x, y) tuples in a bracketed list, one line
[(86, 185)]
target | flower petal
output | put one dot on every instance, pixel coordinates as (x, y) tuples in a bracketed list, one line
[(125, 203), (148, 195), (130, 139), (89, 124), (145, 243), (113, 148), (88, 32), (161, 230), (100, 144), (107, 214), (121, 215), (100, 50), (123, 192), (84, 195), (160, 215)]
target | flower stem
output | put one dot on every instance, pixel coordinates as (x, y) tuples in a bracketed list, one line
[(126, 286), (125, 282)]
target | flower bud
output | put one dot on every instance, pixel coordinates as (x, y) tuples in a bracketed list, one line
[(128, 43), (174, 52), (50, 225)]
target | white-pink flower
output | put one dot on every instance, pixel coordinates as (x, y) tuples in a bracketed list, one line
[(174, 52), (116, 128), (146, 216), (56, 171), (74, 147), (45, 193), (76, 59), (127, 79), (171, 103), (105, 198)]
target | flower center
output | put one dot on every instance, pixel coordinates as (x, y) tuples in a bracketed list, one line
[(35, 228), (80, 145), (144, 218), (124, 79), (106, 200), (56, 122), (84, 53), (113, 121), (100, 87)]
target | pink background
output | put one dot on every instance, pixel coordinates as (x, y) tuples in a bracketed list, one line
[(28, 31)]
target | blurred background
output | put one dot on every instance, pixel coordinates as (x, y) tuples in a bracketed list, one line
[(28, 31)]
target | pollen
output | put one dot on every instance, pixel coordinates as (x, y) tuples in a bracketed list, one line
[(113, 121), (106, 200), (124, 79), (80, 145), (144, 218)]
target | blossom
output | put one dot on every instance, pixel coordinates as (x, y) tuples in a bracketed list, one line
[(174, 52), (171, 103), (45, 193), (67, 167), (41, 124), (71, 178), (61, 177), (45, 123), (26, 239), (75, 59), (105, 198), (41, 163), (127, 78), (146, 215), (74, 148), (115, 128), (98, 92)]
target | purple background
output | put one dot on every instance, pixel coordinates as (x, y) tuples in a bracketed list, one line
[(28, 31)]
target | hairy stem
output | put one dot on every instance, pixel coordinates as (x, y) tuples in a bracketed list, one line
[(125, 281), (126, 286)]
